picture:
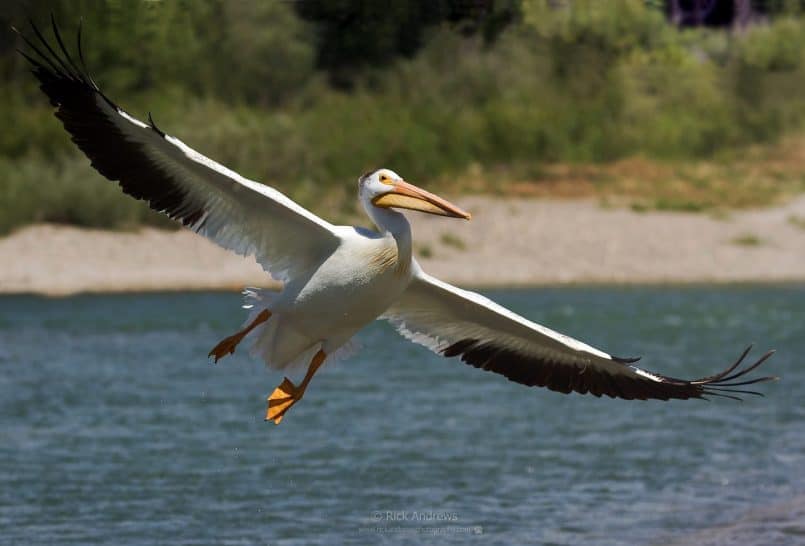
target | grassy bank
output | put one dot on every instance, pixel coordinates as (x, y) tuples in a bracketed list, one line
[(751, 176), (71, 192)]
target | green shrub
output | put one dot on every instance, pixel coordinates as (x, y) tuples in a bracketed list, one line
[(66, 191)]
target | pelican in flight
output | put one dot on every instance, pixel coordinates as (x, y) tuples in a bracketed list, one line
[(336, 279)]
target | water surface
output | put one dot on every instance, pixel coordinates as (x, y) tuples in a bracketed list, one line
[(116, 429)]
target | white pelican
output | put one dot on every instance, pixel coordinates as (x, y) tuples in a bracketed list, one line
[(337, 279)]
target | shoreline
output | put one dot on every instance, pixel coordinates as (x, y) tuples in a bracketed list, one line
[(546, 243), (148, 289)]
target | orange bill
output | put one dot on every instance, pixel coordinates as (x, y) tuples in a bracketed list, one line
[(407, 196)]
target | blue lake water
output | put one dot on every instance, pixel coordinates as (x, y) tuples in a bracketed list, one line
[(116, 429)]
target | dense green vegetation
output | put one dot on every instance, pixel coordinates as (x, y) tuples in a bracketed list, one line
[(309, 95)]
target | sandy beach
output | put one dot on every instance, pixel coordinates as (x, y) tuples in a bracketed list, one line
[(508, 242)]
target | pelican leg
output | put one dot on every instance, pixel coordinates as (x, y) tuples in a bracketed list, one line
[(288, 394), (227, 345)]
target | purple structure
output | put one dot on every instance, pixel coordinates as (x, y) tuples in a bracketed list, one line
[(710, 12)]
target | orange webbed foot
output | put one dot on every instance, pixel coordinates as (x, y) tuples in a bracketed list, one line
[(226, 346), (281, 400)]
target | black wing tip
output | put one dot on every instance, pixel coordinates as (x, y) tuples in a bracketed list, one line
[(153, 126), (724, 382), (625, 360), (28, 58), (60, 68), (60, 71)]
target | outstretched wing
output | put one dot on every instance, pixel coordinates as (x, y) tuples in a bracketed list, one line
[(456, 322), (238, 214)]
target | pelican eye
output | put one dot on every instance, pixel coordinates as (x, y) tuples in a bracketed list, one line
[(385, 179)]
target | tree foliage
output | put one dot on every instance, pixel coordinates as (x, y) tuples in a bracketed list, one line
[(353, 34)]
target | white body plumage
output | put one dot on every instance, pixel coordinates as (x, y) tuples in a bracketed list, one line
[(324, 309)]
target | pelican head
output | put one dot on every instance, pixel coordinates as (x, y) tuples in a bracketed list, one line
[(386, 189)]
